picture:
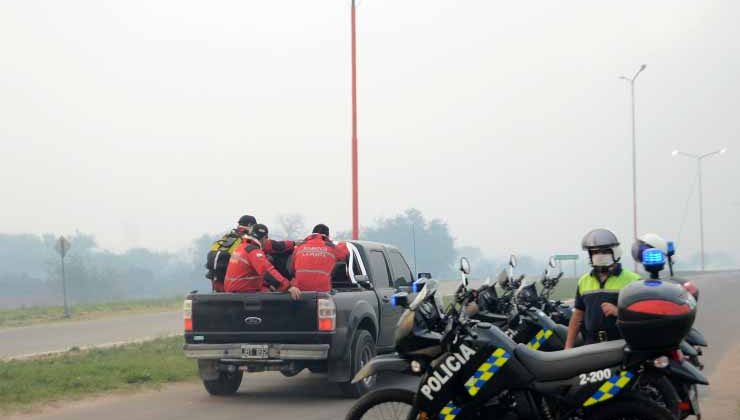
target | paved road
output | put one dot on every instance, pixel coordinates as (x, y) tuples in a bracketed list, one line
[(718, 315), (60, 336), (262, 396), (307, 396)]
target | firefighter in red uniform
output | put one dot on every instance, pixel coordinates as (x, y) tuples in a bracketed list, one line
[(220, 252), (314, 260), (250, 271)]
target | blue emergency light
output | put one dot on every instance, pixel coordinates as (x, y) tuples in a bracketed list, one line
[(393, 301), (653, 257), (671, 248), (417, 286)]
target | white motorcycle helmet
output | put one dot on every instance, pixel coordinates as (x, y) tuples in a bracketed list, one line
[(648, 240)]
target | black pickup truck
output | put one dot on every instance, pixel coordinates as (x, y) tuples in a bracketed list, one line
[(334, 333)]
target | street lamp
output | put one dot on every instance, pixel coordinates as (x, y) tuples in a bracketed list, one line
[(631, 81), (355, 193), (698, 159)]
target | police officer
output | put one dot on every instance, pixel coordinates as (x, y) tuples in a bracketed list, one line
[(598, 290)]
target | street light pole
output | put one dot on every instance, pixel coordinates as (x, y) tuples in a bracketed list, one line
[(634, 151), (355, 206), (64, 290), (413, 246), (699, 158)]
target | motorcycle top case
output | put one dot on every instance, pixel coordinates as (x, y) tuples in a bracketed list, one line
[(655, 315)]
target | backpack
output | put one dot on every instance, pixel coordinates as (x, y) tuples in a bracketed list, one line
[(217, 260)]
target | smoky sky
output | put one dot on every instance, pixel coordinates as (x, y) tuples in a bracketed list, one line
[(149, 123)]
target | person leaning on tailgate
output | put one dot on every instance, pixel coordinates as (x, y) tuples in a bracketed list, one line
[(314, 260), (250, 271)]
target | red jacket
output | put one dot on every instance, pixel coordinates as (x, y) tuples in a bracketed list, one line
[(271, 247), (250, 271), (314, 260)]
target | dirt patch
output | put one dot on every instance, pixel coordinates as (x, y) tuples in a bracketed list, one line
[(722, 402)]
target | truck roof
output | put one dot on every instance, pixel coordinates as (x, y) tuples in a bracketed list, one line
[(369, 245)]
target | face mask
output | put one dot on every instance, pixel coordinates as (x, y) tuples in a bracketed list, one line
[(602, 260)]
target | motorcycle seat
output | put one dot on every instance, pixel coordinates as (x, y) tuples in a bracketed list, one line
[(566, 364)]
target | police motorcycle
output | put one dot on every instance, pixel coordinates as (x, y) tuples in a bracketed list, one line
[(695, 339), (559, 311), (474, 370), (530, 323), (654, 262), (534, 326), (508, 284), (530, 316)]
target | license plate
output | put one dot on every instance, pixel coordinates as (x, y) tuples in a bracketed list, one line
[(255, 351)]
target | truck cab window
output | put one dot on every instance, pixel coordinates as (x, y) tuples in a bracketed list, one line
[(401, 270), (379, 269)]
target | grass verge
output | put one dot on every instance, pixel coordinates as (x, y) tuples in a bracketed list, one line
[(76, 374), (39, 314)]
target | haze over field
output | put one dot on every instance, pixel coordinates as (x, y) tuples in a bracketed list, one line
[(148, 124)]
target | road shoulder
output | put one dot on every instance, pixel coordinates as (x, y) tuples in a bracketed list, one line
[(723, 398)]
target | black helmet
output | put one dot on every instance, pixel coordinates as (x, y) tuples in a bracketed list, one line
[(321, 229), (599, 239), (247, 220), (259, 231)]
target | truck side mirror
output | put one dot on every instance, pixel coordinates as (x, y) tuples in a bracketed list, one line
[(424, 276), (364, 281)]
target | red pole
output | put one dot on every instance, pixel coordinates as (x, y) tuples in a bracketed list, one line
[(355, 216)]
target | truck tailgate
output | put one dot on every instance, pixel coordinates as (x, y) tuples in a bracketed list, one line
[(255, 318)]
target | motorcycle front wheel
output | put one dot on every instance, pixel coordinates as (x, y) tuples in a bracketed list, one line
[(384, 404)]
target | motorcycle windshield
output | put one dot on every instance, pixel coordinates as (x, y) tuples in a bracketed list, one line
[(527, 291), (430, 288)]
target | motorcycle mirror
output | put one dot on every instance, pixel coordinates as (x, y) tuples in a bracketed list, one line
[(551, 262), (512, 261), (464, 265)]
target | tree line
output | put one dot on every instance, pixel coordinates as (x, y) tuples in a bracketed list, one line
[(30, 270)]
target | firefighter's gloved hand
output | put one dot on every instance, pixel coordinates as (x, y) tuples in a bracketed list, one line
[(295, 293)]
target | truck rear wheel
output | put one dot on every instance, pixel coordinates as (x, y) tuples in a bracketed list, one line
[(363, 349), (226, 384)]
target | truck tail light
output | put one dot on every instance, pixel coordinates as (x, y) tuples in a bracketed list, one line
[(187, 314), (327, 315)]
